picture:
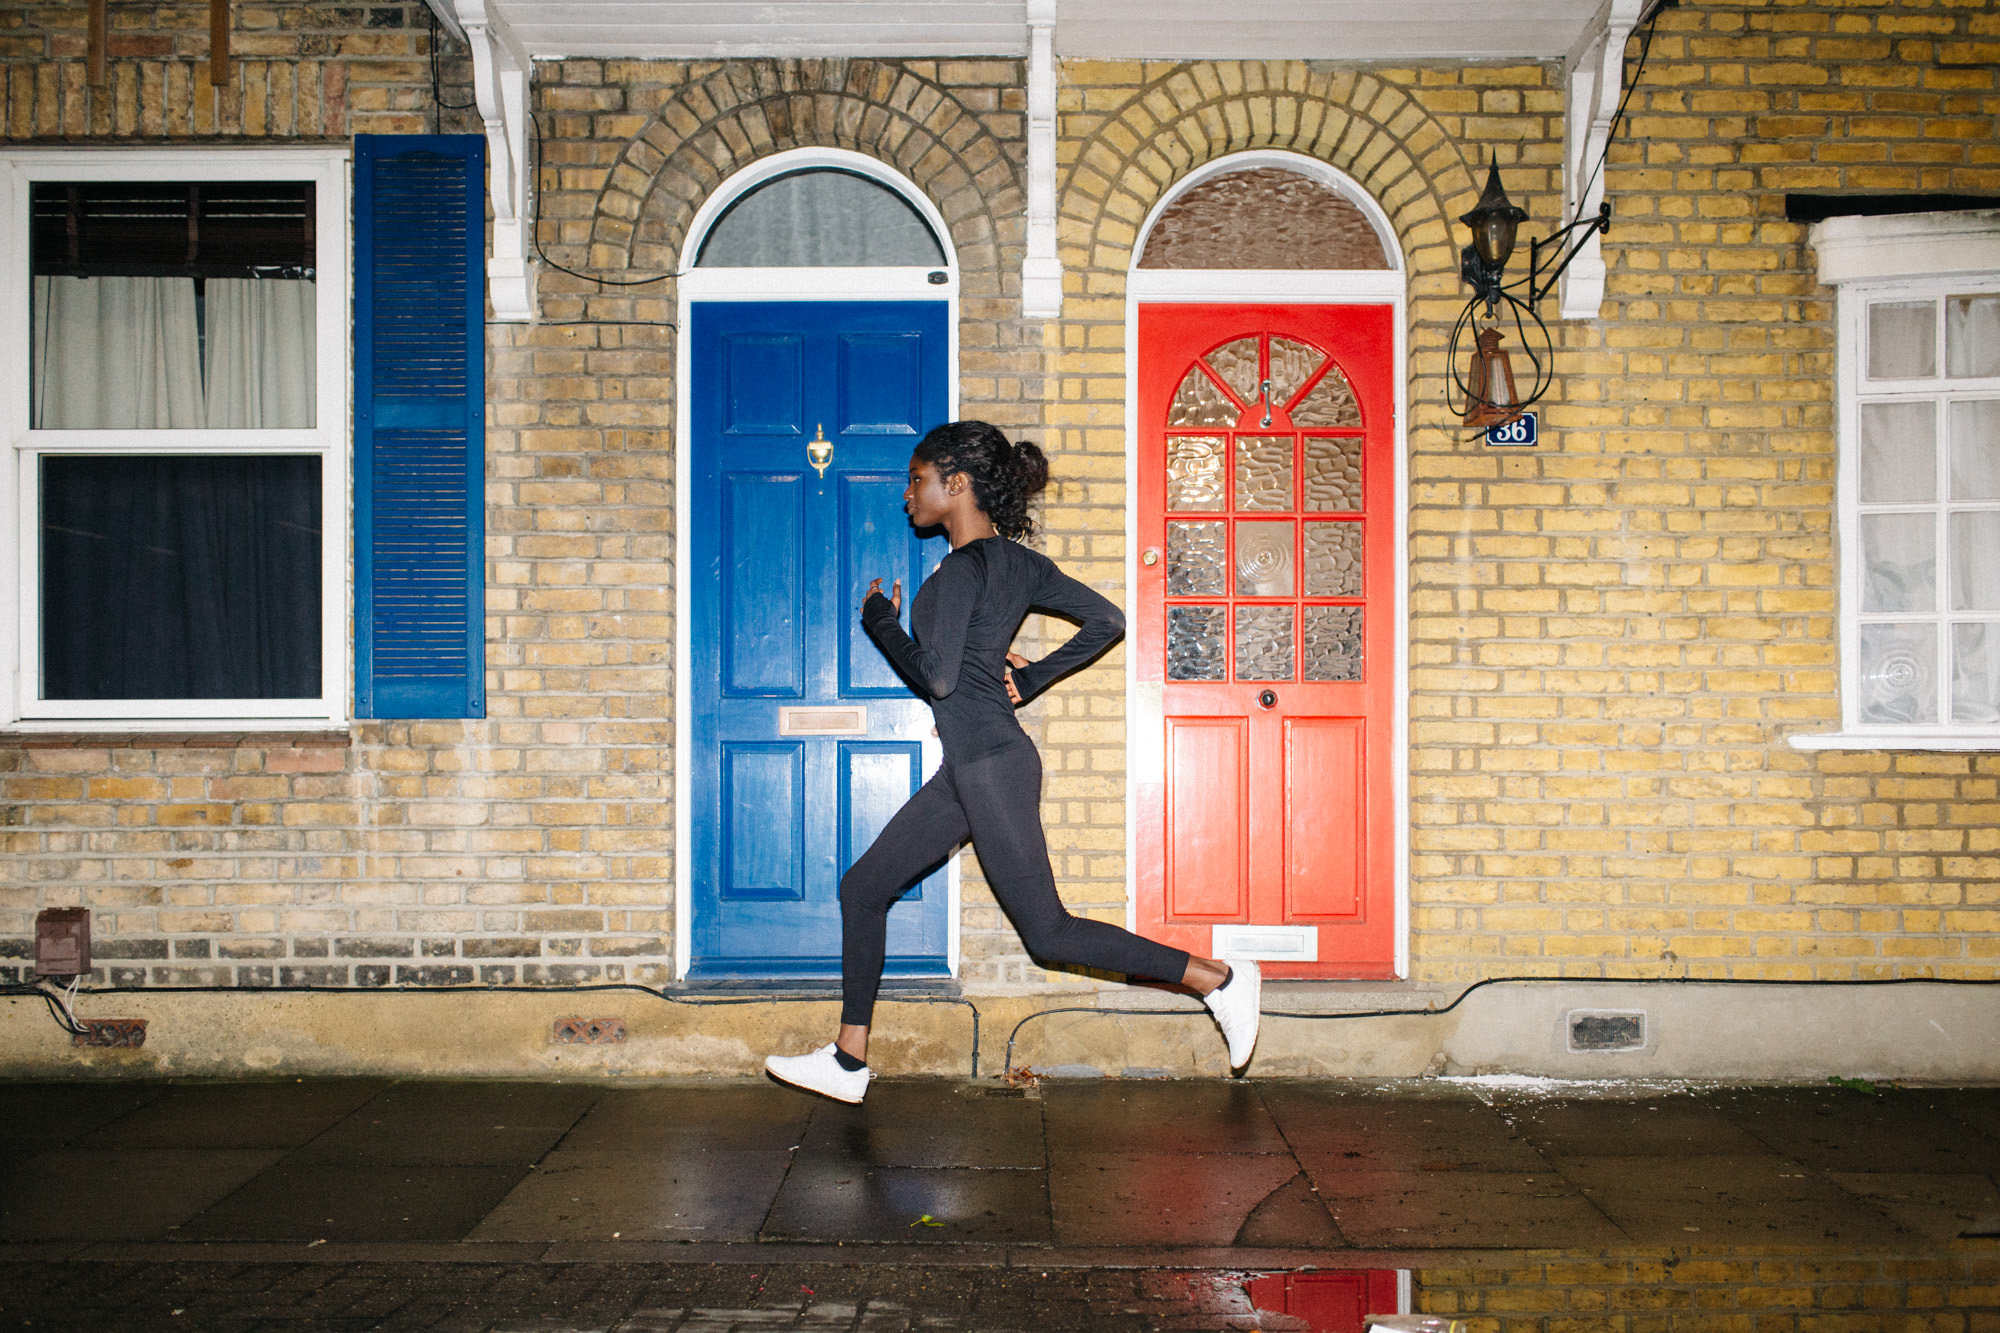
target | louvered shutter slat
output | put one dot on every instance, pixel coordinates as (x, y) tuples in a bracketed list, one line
[(419, 426)]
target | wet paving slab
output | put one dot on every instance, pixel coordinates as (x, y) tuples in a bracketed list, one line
[(645, 1185)]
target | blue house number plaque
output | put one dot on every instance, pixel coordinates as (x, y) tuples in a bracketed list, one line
[(1521, 432)]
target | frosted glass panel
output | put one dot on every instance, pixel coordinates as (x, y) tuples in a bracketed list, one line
[(1292, 364), (1899, 679), (1333, 475), (1194, 560), (822, 216), (1264, 472), (1194, 643), (1333, 642), (1264, 559), (1975, 561), (1975, 673), (1902, 340), (1975, 450), (1899, 562), (1237, 363), (1331, 403), (1194, 471), (1898, 452), (1333, 560), (1263, 643), (1199, 402), (1972, 336)]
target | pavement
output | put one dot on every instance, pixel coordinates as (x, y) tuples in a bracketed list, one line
[(706, 1206)]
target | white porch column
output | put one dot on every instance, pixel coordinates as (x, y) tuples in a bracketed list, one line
[(501, 73), (1041, 271), (1594, 79)]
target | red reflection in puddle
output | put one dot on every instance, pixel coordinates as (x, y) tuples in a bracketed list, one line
[(1321, 1302), (1315, 1302)]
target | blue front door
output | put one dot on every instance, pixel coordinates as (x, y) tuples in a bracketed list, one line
[(805, 740)]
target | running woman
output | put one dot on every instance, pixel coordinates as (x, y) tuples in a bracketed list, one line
[(969, 480)]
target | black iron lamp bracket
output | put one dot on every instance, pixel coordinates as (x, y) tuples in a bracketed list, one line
[(1597, 224), (1488, 281)]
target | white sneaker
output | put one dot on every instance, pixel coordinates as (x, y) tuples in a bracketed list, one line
[(1234, 1004), (820, 1072)]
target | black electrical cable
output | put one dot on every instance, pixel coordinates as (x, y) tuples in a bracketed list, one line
[(56, 1010), (535, 234), (1008, 1066), (437, 92)]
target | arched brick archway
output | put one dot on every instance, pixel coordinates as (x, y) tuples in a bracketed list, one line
[(747, 110)]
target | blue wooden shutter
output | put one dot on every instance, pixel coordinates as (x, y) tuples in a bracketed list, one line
[(419, 425)]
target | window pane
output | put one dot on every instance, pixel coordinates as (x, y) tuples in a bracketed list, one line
[(1194, 467), (1975, 673), (1333, 560), (1898, 562), (1972, 336), (1333, 642), (1975, 450), (173, 305), (1898, 452), (1264, 472), (1266, 217), (1194, 643), (1194, 559), (1975, 561), (1200, 401), (1264, 559), (1333, 472), (1898, 673), (821, 217), (1902, 340), (1263, 643), (181, 577)]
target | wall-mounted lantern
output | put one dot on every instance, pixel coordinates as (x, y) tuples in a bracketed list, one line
[(1486, 383)]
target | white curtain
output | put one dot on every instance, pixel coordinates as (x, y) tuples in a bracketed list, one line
[(116, 353), (262, 352)]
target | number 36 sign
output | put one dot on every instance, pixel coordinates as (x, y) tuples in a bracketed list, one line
[(1519, 432)]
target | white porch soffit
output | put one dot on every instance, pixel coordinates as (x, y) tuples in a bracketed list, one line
[(508, 35)]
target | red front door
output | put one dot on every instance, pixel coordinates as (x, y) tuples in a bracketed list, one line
[(1266, 615)]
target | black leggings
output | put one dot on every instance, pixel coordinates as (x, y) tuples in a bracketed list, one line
[(996, 801)]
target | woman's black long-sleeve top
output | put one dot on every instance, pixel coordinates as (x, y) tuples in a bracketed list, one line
[(965, 616)]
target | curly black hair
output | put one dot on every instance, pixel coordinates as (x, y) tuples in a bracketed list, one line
[(1005, 475)]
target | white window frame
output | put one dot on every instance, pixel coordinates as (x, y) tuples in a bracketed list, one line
[(1869, 260), (21, 707)]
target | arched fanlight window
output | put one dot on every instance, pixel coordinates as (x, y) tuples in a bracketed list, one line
[(821, 217), (1263, 218)]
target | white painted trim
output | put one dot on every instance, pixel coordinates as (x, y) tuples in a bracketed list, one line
[(782, 284), (327, 168), (1937, 741), (1907, 246), (1326, 174), (1304, 287)]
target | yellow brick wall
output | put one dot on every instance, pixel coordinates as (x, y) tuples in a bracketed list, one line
[(1611, 636)]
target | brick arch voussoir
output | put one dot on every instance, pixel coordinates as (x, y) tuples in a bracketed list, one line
[(1364, 139), (758, 108)]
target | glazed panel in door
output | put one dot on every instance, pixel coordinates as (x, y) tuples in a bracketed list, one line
[(1265, 609), (804, 740)]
